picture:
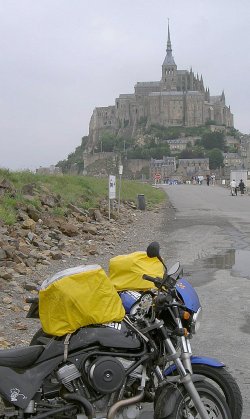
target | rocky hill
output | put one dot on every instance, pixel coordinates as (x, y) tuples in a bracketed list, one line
[(39, 236)]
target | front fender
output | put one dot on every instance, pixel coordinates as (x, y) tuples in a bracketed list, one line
[(202, 360), (167, 395)]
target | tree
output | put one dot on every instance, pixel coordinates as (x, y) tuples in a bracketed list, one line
[(107, 142), (215, 158), (213, 140)]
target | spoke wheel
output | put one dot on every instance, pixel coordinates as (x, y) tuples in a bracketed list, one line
[(183, 406), (226, 384)]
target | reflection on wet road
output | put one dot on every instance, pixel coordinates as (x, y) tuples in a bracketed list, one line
[(237, 260)]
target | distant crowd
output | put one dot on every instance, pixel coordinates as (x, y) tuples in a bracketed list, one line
[(198, 180)]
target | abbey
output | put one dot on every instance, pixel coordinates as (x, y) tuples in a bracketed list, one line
[(178, 99)]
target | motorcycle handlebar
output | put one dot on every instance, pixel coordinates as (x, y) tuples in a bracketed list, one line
[(156, 281)]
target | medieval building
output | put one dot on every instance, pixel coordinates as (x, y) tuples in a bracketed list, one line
[(179, 98)]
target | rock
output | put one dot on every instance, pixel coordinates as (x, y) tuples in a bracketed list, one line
[(21, 326), (29, 189), (56, 255), (30, 236), (22, 215), (78, 210), (69, 229), (49, 200), (7, 300), (6, 185), (95, 214), (40, 244), (4, 343), (33, 213), (17, 259), (29, 224), (3, 255), (89, 228), (21, 269), (92, 249), (29, 286), (5, 274), (31, 262)]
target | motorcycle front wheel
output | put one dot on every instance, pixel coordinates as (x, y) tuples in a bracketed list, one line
[(215, 404), (226, 384)]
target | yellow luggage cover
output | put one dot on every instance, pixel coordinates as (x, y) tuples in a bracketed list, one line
[(78, 297), (125, 271)]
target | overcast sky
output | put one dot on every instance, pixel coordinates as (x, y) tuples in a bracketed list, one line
[(62, 58)]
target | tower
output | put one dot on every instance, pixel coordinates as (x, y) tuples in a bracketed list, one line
[(169, 68)]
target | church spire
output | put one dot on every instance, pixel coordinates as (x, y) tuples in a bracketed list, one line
[(169, 46), (169, 68), (169, 59)]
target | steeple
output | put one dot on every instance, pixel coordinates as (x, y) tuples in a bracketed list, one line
[(169, 68), (169, 47), (169, 59)]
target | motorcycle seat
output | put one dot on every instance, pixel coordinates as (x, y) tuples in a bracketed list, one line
[(20, 357)]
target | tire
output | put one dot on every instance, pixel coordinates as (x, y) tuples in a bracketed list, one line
[(183, 407), (226, 384), (40, 338)]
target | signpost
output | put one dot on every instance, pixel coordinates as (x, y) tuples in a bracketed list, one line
[(112, 190), (120, 182), (157, 177)]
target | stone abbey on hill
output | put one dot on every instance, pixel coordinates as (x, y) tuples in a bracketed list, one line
[(178, 99)]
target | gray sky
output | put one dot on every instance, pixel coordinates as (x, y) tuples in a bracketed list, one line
[(62, 58)]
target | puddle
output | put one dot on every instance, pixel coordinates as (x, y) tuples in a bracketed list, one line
[(242, 263), (237, 260)]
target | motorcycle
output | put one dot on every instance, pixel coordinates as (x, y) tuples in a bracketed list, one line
[(184, 324), (106, 371), (214, 370)]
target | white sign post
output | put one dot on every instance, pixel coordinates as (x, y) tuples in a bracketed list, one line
[(112, 189), (120, 183)]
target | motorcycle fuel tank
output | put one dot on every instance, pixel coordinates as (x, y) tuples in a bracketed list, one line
[(111, 335)]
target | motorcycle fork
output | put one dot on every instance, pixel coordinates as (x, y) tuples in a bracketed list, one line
[(186, 350), (186, 353), (185, 377)]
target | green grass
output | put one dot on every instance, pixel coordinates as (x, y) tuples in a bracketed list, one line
[(84, 192)]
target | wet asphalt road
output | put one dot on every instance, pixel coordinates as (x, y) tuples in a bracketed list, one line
[(210, 236)]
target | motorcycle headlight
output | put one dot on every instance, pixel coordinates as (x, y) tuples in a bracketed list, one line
[(196, 320)]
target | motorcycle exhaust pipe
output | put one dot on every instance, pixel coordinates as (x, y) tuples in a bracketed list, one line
[(53, 412), (122, 403)]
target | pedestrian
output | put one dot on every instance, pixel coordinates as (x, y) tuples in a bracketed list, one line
[(213, 179), (233, 186), (208, 180), (241, 187)]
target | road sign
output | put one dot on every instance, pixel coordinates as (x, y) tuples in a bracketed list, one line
[(112, 187), (157, 176)]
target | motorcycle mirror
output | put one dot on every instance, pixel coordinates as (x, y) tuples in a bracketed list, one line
[(153, 251)]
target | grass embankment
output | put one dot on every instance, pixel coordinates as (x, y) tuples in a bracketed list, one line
[(84, 192)]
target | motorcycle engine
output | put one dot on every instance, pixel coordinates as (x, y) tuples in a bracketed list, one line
[(106, 374)]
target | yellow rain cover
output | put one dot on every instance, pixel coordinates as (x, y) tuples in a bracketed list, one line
[(78, 297), (125, 271)]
